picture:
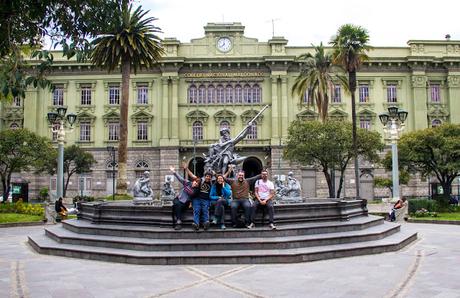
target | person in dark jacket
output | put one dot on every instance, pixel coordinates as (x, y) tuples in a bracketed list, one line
[(182, 201), (60, 208)]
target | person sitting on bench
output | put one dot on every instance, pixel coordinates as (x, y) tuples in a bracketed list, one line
[(60, 208)]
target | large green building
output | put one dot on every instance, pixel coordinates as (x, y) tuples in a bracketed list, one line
[(223, 79)]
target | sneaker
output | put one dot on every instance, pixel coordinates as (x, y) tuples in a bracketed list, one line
[(234, 226), (214, 221), (272, 226), (206, 225), (195, 226), (222, 227), (250, 226), (177, 227)]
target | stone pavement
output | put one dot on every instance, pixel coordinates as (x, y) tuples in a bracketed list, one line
[(427, 268)]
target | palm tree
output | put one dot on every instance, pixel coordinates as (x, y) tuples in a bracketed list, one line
[(315, 79), (350, 46), (130, 41)]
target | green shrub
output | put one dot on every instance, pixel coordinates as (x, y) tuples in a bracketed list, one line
[(82, 199), (43, 194), (22, 208), (424, 213), (427, 204), (118, 197)]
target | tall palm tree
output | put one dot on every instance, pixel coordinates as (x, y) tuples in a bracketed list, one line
[(315, 79), (130, 41), (350, 46)]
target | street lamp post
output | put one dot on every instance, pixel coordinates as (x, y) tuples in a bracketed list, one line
[(58, 121), (393, 125), (111, 151)]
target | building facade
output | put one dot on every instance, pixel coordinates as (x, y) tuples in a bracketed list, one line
[(222, 80)]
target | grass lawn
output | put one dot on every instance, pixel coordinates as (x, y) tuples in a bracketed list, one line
[(442, 216), (15, 217)]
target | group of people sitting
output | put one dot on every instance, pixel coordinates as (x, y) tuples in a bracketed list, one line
[(205, 193)]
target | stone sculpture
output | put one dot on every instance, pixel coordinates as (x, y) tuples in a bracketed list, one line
[(142, 192), (167, 192)]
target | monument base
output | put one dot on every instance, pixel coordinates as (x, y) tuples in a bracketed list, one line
[(143, 201), (167, 200)]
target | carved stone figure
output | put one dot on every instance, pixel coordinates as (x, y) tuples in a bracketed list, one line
[(142, 192), (293, 186), (167, 189), (222, 154)]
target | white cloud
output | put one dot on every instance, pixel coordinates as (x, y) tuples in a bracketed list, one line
[(390, 23)]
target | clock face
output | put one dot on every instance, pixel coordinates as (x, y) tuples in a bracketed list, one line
[(224, 44)]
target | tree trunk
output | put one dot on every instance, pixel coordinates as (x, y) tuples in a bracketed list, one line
[(339, 189), (352, 82), (122, 185), (329, 181)]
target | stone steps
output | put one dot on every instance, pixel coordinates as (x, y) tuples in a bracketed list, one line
[(396, 241), (155, 232), (247, 243)]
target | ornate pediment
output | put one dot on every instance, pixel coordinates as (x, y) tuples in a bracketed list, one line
[(307, 115), (338, 115), (13, 113), (225, 115), (365, 113), (141, 116), (249, 115), (85, 116), (197, 115), (438, 111), (110, 116)]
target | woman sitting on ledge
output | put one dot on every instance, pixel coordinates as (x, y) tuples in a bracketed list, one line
[(397, 209), (61, 209)]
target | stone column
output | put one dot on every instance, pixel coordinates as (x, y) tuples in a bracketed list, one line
[(419, 99), (453, 84), (165, 111), (175, 111), (275, 111), (284, 107)]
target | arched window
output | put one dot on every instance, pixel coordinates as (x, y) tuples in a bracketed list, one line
[(436, 123), (256, 93), (220, 94), (224, 124), (247, 93), (252, 132), (306, 98), (238, 94), (14, 126), (197, 130), (211, 94), (141, 167), (202, 94), (192, 96), (229, 94)]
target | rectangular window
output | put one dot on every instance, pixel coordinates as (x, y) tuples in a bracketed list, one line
[(435, 90), (114, 131), (85, 95), (58, 95), (306, 98), (142, 94), (363, 93), (85, 131), (365, 123), (391, 93), (337, 94), (114, 95), (142, 130), (16, 101)]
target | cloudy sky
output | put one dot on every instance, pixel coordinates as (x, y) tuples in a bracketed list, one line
[(303, 22)]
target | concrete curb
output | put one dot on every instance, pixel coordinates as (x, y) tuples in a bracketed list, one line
[(22, 224), (429, 221)]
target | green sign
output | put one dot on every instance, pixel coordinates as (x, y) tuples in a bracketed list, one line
[(16, 189)]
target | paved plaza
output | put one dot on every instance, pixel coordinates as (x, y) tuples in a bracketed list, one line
[(427, 268)]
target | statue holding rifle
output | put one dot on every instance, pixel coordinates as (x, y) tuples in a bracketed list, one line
[(221, 154)]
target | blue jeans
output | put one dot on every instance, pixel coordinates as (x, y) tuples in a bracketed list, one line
[(200, 210), (246, 204)]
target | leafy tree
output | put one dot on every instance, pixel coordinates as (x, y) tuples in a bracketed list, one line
[(130, 41), (404, 178), (26, 24), (76, 161), (433, 152), (328, 146), (350, 45), (22, 150)]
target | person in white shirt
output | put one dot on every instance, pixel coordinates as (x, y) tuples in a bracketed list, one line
[(264, 192)]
